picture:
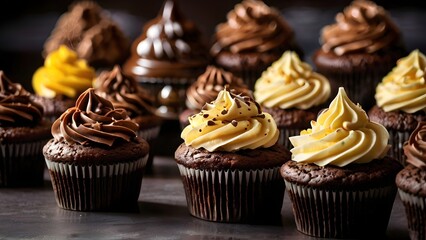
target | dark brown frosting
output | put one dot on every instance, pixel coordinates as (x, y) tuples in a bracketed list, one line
[(16, 107), (210, 83), (170, 46), (89, 31), (363, 26), (124, 92), (415, 148), (252, 26), (94, 120)]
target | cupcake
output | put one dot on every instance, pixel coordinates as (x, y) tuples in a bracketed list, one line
[(359, 50), (411, 182), (292, 93), (340, 182), (90, 31), (95, 159), (253, 37), (60, 81), (230, 160), (206, 88), (401, 101), (124, 92), (167, 57), (23, 132)]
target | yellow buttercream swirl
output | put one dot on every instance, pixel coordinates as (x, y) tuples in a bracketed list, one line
[(341, 135), (404, 88), (64, 74), (230, 123), (291, 83)]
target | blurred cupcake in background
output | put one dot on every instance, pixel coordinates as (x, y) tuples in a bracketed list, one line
[(167, 57), (206, 89), (401, 101), (124, 92), (292, 93), (62, 78), (253, 37), (89, 30), (358, 50)]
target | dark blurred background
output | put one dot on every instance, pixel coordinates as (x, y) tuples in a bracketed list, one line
[(25, 25)]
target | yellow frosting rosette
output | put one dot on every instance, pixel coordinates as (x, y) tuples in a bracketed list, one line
[(404, 88), (342, 134), (291, 83), (64, 74), (230, 123)]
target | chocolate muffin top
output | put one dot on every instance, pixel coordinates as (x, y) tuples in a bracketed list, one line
[(412, 180), (396, 120)]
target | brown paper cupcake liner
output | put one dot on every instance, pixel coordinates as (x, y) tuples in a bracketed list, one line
[(341, 214), (233, 195), (285, 133), (96, 187), (396, 140), (22, 164), (415, 211), (149, 133)]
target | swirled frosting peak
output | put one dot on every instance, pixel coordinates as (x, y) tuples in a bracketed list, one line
[(210, 83), (363, 26), (404, 88), (16, 108), (124, 92), (291, 83), (253, 26), (341, 135), (63, 74), (230, 123), (170, 46), (94, 120), (415, 148)]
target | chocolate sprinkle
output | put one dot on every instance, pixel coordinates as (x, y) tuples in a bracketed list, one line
[(234, 123), (210, 123), (224, 112), (206, 115)]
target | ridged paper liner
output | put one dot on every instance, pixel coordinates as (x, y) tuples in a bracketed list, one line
[(415, 211), (396, 140), (22, 164), (285, 133), (341, 214), (96, 187), (149, 133), (233, 195)]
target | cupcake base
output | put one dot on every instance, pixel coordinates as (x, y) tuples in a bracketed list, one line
[(415, 210)]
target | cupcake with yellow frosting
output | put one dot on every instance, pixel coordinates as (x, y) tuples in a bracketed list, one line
[(401, 101), (230, 161), (292, 93), (60, 81), (339, 180)]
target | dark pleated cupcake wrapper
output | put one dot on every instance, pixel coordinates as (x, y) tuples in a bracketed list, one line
[(285, 133), (341, 214), (22, 164), (96, 187), (415, 211), (233, 196), (250, 77), (396, 140), (150, 135)]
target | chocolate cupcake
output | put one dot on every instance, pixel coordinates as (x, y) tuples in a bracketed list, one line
[(95, 159), (292, 93), (339, 181), (58, 83), (23, 132), (206, 89), (359, 50), (89, 31), (400, 101), (229, 162), (167, 57), (411, 182), (253, 37), (124, 92)]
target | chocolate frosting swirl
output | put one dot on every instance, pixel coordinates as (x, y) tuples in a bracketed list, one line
[(253, 26), (210, 83), (170, 46), (16, 107), (124, 92), (94, 120), (415, 148), (363, 26)]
